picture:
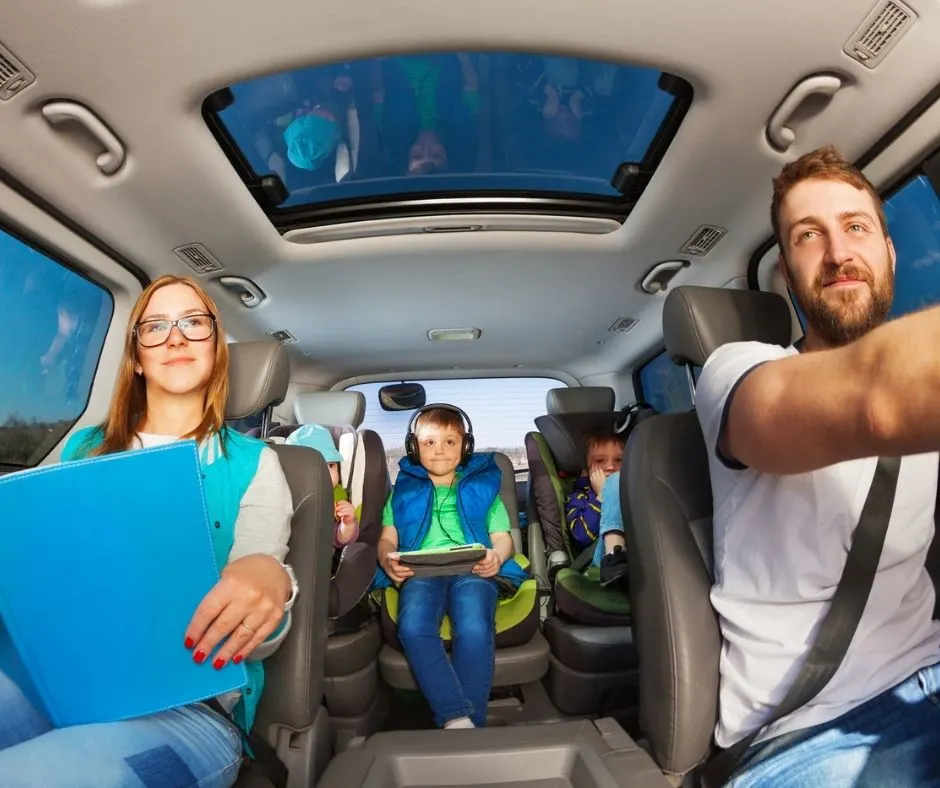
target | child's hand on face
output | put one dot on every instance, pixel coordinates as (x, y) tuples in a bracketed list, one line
[(489, 565), (598, 477), (345, 512)]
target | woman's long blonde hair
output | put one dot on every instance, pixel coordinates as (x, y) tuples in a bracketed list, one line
[(128, 406)]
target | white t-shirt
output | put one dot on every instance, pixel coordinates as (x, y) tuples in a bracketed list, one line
[(780, 546)]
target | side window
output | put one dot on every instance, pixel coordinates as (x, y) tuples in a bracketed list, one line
[(502, 411), (665, 385), (55, 321), (913, 215)]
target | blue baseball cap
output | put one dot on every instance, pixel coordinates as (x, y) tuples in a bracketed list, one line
[(310, 140), (313, 436)]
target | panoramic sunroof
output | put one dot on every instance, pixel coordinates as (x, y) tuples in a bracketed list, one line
[(453, 131)]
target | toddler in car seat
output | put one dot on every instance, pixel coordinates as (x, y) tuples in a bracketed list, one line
[(346, 527), (588, 517)]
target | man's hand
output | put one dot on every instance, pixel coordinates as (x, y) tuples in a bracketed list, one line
[(345, 511), (489, 565), (598, 477), (242, 609)]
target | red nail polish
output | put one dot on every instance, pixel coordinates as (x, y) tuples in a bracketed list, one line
[(237, 659), (218, 663), (199, 657), (189, 643)]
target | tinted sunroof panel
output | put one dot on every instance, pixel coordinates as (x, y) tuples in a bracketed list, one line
[(447, 123)]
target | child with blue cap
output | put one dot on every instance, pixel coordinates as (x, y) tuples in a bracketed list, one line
[(314, 436)]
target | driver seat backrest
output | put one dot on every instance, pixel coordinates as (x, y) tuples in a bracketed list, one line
[(666, 495), (290, 716)]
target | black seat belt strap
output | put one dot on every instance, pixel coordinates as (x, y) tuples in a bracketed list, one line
[(841, 620)]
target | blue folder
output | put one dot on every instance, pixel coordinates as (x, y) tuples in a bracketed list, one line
[(102, 564)]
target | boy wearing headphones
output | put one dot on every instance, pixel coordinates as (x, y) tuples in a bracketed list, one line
[(446, 496)]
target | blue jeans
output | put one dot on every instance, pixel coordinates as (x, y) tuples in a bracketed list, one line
[(460, 686), (892, 740), (181, 748)]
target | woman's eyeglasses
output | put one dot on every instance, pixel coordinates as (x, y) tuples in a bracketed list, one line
[(153, 333)]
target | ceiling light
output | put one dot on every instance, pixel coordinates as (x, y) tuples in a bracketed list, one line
[(453, 334)]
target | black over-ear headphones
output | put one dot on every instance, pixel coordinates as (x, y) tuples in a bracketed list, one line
[(411, 440)]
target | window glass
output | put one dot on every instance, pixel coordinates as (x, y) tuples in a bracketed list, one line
[(447, 122), (54, 323), (502, 411), (913, 215), (665, 385)]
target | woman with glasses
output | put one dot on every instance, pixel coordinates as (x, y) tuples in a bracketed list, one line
[(173, 384)]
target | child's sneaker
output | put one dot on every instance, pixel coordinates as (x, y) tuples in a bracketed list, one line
[(614, 568)]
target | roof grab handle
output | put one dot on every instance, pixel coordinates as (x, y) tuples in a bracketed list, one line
[(248, 292), (779, 134), (661, 274), (114, 155)]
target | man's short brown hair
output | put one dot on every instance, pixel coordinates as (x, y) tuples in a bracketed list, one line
[(441, 417), (595, 440), (824, 163)]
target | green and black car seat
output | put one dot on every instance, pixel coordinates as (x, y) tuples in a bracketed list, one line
[(522, 653), (593, 660)]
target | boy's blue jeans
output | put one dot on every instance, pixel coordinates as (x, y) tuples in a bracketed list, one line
[(459, 686), (181, 748), (891, 740)]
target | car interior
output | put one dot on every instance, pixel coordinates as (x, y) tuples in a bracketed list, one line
[(553, 236)]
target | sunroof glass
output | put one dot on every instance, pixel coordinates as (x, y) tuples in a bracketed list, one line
[(447, 123)]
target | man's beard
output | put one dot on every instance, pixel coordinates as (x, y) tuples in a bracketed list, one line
[(843, 316)]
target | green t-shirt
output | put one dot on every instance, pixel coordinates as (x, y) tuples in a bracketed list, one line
[(446, 530)]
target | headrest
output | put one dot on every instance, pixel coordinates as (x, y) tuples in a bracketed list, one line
[(698, 320), (330, 407), (564, 434), (259, 373), (579, 399)]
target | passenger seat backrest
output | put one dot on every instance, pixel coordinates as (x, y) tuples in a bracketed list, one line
[(665, 492), (668, 528), (289, 707), (579, 399)]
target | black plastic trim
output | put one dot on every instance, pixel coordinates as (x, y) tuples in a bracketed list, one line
[(28, 239), (444, 203)]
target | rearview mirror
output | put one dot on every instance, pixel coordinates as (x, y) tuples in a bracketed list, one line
[(402, 396)]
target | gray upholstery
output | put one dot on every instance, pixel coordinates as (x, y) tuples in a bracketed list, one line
[(330, 407), (259, 373), (564, 434), (667, 501), (294, 675), (587, 754), (575, 399), (289, 715), (697, 320), (507, 494)]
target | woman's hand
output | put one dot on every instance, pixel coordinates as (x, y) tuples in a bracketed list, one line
[(489, 565), (243, 609)]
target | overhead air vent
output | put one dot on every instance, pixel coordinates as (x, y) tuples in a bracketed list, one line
[(14, 76), (197, 257), (283, 336), (703, 240), (880, 32), (623, 324)]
